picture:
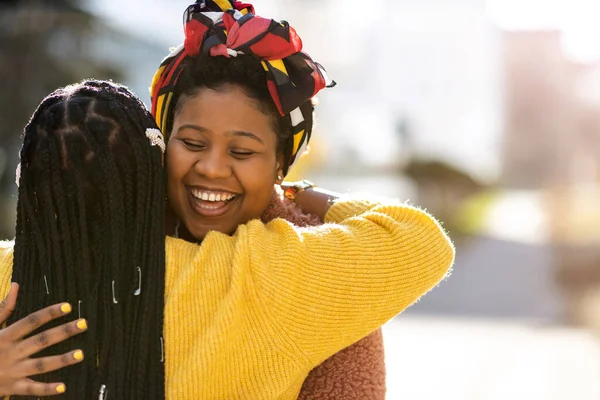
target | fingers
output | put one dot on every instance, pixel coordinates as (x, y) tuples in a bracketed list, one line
[(33, 321), (50, 337), (36, 366), (28, 387), (7, 306)]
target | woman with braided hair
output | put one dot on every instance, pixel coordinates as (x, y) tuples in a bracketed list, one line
[(235, 68), (89, 234)]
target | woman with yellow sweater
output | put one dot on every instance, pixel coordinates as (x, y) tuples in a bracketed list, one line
[(240, 73), (246, 316), (249, 312)]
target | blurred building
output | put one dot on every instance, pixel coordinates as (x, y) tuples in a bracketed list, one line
[(552, 116), (415, 79), (552, 148)]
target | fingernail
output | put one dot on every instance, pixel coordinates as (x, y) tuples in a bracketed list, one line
[(61, 388), (82, 324), (66, 308), (78, 355)]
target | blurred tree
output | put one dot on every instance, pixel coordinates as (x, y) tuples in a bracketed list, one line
[(443, 189), (44, 45)]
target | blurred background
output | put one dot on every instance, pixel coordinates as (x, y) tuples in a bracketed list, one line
[(487, 113)]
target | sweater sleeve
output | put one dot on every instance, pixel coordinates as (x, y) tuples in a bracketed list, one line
[(6, 263), (326, 287), (329, 287)]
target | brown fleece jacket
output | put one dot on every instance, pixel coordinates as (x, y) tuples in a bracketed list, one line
[(358, 371)]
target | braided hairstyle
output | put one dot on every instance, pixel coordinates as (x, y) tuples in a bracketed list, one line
[(245, 71), (90, 231)]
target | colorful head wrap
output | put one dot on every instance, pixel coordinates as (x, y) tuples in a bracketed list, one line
[(229, 28)]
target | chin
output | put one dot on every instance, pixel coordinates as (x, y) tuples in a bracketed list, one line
[(200, 234)]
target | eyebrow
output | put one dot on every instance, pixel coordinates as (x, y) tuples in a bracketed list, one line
[(228, 134)]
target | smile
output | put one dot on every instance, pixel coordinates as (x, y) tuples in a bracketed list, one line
[(210, 203), (212, 196)]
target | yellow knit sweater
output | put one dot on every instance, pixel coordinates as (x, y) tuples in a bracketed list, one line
[(248, 316)]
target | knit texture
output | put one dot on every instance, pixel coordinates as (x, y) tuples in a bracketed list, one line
[(356, 372), (243, 322), (6, 262)]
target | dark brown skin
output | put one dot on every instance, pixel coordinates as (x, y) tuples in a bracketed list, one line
[(221, 143), (16, 364)]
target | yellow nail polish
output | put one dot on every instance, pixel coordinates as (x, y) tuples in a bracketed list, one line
[(78, 355), (61, 388), (65, 308), (82, 324)]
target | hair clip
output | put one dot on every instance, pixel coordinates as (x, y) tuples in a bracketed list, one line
[(113, 293), (79, 307), (139, 289), (162, 349), (156, 138), (18, 174), (46, 282), (103, 393)]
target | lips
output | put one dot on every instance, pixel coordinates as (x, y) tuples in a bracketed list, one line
[(211, 203)]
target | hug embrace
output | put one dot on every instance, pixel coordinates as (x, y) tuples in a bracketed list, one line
[(193, 270)]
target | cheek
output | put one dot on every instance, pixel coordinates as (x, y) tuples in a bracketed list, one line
[(177, 164), (258, 180), (172, 169)]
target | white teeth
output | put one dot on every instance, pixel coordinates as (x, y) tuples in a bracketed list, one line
[(212, 196)]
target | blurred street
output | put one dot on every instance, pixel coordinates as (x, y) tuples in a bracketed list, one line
[(478, 359)]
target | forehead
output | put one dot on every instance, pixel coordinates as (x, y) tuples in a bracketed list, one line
[(225, 109)]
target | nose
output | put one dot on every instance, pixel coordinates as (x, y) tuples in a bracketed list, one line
[(213, 164)]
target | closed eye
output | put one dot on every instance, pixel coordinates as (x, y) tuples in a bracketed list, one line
[(241, 154), (193, 145)]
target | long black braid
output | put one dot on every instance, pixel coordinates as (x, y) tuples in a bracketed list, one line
[(90, 223)]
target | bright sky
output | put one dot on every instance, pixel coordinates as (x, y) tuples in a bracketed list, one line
[(578, 20), (160, 20)]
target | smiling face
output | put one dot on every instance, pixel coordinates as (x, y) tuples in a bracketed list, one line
[(222, 161)]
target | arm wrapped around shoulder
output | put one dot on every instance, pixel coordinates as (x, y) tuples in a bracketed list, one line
[(331, 285), (6, 262)]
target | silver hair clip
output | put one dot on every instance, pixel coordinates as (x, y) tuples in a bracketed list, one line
[(103, 393), (79, 308), (162, 349), (156, 138), (113, 292), (46, 282), (139, 289), (18, 174)]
